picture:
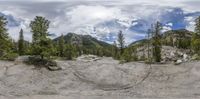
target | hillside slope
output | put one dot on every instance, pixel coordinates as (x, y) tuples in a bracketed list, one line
[(83, 40), (175, 46), (175, 38)]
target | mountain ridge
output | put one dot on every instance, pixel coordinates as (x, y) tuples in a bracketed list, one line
[(170, 38), (86, 41)]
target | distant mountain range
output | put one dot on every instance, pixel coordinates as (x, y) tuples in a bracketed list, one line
[(181, 33), (84, 40), (171, 38)]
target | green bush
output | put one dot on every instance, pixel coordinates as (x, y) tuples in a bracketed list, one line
[(148, 61), (9, 56), (195, 57), (39, 62)]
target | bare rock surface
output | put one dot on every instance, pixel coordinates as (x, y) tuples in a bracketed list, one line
[(103, 78), (169, 54), (109, 75)]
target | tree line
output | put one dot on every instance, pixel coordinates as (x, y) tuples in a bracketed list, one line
[(45, 48)]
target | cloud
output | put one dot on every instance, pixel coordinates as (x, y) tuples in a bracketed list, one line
[(87, 14), (191, 24), (100, 18)]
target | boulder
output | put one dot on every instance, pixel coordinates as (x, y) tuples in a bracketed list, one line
[(185, 57), (178, 62), (52, 66)]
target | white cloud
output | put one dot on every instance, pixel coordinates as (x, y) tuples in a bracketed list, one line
[(85, 16), (166, 28), (169, 24), (191, 24), (83, 19), (14, 32)]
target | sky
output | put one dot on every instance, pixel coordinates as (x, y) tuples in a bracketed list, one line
[(101, 19)]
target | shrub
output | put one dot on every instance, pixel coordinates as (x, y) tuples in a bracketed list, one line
[(9, 56), (39, 62)]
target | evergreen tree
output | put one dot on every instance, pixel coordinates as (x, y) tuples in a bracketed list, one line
[(100, 51), (61, 45), (127, 55), (157, 42), (196, 37), (46, 48), (14, 47), (5, 42), (41, 44), (130, 54), (21, 45), (79, 50), (69, 52), (39, 28), (121, 41)]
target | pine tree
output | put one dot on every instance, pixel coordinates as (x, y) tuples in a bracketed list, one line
[(121, 42), (157, 42), (41, 45), (100, 51), (39, 28), (61, 45), (69, 53), (21, 45), (196, 37), (127, 55), (5, 42), (79, 50)]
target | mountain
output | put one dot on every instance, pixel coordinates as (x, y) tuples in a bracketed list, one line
[(177, 38), (181, 33), (175, 44), (139, 42), (85, 41)]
